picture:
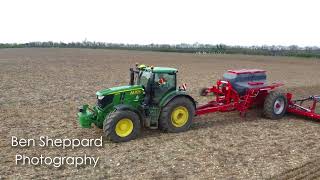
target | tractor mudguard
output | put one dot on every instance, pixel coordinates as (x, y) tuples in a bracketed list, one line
[(167, 98), (130, 108)]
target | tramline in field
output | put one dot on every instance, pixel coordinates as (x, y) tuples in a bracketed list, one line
[(153, 100)]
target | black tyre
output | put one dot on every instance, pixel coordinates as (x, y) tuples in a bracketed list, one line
[(121, 126), (275, 105), (177, 115)]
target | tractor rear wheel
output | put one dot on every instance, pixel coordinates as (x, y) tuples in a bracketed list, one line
[(121, 126), (177, 115), (275, 105)]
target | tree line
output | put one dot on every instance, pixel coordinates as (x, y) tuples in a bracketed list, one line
[(293, 50)]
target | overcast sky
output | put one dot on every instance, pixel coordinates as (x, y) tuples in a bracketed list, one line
[(231, 22)]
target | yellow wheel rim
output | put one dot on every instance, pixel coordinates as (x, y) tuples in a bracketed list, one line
[(179, 116), (124, 127)]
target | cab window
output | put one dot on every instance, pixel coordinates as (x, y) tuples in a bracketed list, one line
[(164, 83), (144, 78)]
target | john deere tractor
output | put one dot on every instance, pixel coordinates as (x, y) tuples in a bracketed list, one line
[(151, 100)]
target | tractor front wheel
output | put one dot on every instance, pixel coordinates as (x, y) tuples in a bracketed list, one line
[(177, 115), (122, 126), (275, 105)]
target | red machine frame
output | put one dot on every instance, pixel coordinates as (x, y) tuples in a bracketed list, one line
[(295, 106), (228, 99)]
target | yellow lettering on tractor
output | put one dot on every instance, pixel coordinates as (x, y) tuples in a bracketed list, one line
[(135, 92)]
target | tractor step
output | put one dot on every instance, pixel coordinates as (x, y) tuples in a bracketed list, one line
[(152, 119), (154, 113)]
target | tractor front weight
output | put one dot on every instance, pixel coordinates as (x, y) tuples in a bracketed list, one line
[(86, 116)]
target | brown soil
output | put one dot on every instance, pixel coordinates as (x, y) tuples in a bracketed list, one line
[(41, 89)]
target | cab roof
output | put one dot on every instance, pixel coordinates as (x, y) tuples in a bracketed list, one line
[(162, 69)]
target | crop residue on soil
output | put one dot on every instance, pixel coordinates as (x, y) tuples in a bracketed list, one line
[(41, 89)]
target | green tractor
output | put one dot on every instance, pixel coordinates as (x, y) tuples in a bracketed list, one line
[(151, 100)]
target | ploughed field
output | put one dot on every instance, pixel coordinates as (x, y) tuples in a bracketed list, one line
[(41, 89)]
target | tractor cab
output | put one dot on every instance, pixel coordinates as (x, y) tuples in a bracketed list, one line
[(156, 82)]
